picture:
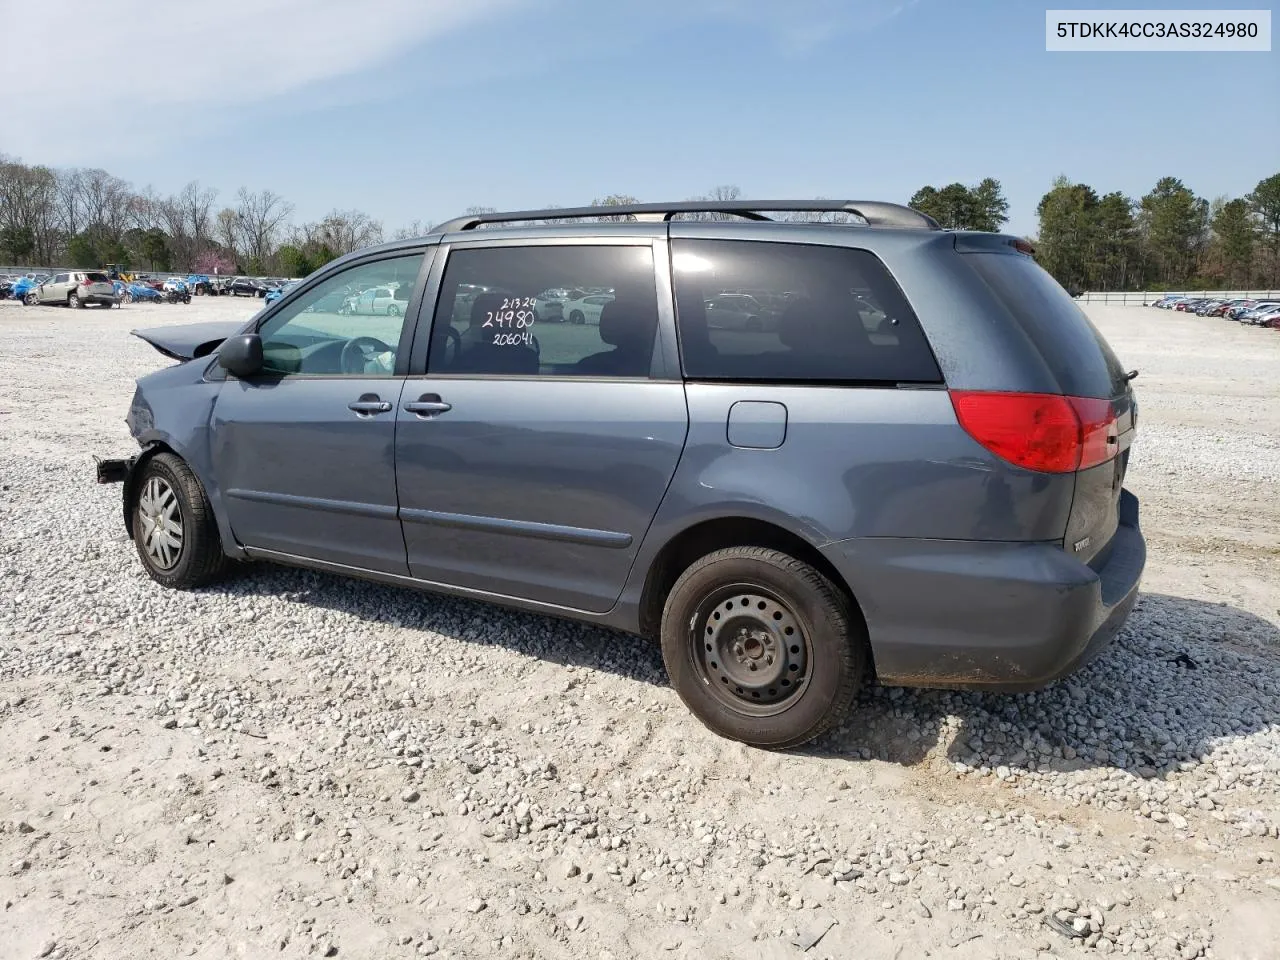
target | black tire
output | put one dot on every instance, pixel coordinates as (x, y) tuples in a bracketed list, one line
[(577, 316), (73, 300), (393, 310), (199, 559), (812, 673)]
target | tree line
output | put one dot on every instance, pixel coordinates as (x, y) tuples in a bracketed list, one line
[(1168, 239)]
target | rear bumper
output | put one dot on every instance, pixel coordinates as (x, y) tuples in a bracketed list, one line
[(995, 616)]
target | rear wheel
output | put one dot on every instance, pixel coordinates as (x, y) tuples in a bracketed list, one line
[(577, 316), (30, 300), (393, 311), (173, 526), (762, 647)]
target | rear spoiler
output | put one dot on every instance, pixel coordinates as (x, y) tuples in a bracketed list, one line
[(975, 242)]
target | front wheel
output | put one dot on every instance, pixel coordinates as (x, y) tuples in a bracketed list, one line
[(393, 311), (74, 301), (173, 526), (577, 316), (762, 647), (30, 300)]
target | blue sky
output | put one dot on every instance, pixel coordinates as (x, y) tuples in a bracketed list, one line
[(417, 109)]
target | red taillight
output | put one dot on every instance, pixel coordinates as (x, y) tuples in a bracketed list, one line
[(1099, 432), (1039, 431)]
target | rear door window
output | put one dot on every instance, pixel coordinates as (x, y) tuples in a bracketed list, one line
[(786, 312), (1078, 355), (492, 320)]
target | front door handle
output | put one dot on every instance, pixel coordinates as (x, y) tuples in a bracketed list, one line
[(369, 404), (427, 405)]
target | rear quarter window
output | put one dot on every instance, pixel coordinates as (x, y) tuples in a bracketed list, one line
[(1076, 352), (788, 312)]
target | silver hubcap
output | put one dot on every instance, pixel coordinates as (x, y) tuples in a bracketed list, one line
[(161, 519)]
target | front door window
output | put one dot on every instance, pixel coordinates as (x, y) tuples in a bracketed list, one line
[(342, 327)]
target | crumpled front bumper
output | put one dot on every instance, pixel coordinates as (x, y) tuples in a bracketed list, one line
[(114, 471)]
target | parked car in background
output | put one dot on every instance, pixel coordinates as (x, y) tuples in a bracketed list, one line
[(1270, 319), (1260, 309), (199, 283), (736, 311), (1221, 307), (22, 288), (245, 287), (586, 309), (75, 289), (276, 293), (140, 292), (1203, 308), (388, 301)]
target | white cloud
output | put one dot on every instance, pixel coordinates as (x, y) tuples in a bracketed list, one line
[(801, 25), (136, 56)]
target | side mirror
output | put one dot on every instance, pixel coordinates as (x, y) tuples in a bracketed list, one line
[(241, 355)]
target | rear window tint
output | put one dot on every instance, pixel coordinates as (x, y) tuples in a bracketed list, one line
[(786, 312), (1078, 355), (97, 278)]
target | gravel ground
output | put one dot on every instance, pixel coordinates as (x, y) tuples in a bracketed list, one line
[(293, 764)]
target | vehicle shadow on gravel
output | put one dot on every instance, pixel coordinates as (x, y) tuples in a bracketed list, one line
[(1182, 676), (555, 640)]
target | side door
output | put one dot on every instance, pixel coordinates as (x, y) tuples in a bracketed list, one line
[(304, 452), (532, 455), (54, 290)]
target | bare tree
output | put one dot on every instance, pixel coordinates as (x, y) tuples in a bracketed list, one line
[(29, 203), (415, 229), (615, 200), (227, 231), (260, 217), (718, 194), (71, 214), (345, 230), (106, 201)]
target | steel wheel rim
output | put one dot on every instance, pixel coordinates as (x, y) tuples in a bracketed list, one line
[(750, 650), (160, 514)]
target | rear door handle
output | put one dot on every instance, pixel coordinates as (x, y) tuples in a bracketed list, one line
[(428, 405), (369, 404)]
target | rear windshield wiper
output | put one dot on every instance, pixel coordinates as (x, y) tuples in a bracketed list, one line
[(1131, 376)]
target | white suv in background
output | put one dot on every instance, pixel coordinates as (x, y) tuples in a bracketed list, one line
[(75, 290)]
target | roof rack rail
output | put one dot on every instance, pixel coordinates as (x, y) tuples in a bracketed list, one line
[(875, 212)]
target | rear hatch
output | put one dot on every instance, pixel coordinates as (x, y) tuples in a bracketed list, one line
[(1086, 368), (98, 285)]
